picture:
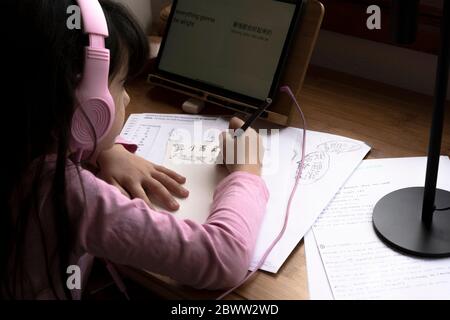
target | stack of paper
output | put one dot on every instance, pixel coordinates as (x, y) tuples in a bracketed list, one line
[(337, 193), (345, 258), (329, 162)]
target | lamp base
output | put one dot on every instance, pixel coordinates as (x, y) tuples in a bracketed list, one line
[(397, 219)]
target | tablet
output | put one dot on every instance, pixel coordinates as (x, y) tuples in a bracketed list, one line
[(227, 50)]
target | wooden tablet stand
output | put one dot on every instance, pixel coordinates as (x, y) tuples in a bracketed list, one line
[(298, 60)]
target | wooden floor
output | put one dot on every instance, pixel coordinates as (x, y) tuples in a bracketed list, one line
[(394, 122)]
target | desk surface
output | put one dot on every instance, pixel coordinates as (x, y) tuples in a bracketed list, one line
[(394, 122)]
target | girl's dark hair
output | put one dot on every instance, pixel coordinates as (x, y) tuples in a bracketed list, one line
[(40, 70)]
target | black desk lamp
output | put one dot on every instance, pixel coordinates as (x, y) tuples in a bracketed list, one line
[(417, 220)]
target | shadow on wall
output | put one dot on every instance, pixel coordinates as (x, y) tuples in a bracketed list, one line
[(404, 68)]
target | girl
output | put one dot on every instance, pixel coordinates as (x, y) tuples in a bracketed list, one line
[(55, 213)]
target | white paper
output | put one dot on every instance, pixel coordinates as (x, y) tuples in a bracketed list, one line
[(319, 288), (160, 138), (197, 206), (329, 162), (357, 264)]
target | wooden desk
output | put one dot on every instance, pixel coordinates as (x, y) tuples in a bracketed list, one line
[(394, 122)]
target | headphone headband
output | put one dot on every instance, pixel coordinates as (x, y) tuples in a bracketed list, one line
[(94, 21)]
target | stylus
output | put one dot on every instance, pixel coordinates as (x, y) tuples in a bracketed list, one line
[(253, 118)]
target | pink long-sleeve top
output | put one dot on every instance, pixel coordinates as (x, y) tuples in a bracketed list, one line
[(213, 255)]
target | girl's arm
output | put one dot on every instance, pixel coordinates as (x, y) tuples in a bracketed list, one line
[(214, 255), (136, 177)]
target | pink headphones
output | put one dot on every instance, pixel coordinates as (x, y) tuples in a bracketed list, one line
[(95, 109)]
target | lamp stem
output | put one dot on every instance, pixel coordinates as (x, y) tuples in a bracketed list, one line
[(437, 126)]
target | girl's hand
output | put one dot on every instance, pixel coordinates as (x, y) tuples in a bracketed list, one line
[(135, 177), (250, 155)]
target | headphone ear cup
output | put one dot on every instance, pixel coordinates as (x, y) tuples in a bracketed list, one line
[(91, 122)]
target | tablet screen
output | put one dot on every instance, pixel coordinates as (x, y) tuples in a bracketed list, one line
[(236, 46)]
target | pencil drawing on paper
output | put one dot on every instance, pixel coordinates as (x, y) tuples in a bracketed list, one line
[(317, 163), (176, 136), (338, 147), (315, 167)]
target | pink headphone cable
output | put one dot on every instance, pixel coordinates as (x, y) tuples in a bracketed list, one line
[(287, 90)]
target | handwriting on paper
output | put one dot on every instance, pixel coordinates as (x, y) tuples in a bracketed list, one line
[(192, 153)]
